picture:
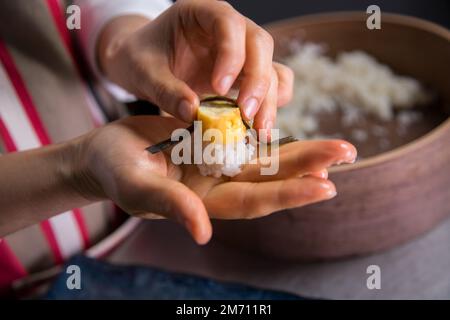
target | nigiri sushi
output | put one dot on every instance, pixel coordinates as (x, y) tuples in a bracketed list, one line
[(226, 141), (229, 144)]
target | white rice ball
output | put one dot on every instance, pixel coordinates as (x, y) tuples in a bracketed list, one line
[(226, 159)]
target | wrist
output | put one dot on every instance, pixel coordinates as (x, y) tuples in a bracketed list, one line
[(75, 171)]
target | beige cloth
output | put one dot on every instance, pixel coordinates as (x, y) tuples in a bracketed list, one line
[(419, 269)]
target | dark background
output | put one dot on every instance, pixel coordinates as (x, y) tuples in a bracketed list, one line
[(263, 11)]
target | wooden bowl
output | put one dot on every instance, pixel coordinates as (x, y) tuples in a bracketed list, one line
[(383, 200)]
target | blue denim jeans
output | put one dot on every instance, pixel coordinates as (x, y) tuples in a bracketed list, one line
[(101, 280)]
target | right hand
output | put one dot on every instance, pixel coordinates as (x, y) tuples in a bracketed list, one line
[(196, 47)]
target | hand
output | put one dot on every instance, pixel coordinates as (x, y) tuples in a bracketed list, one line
[(197, 46), (111, 162)]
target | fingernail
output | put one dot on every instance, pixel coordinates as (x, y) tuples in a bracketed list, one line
[(250, 106), (351, 158), (331, 194), (225, 84), (325, 186), (324, 174), (184, 109), (350, 155)]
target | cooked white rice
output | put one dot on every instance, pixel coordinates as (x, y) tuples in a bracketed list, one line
[(354, 82), (226, 159)]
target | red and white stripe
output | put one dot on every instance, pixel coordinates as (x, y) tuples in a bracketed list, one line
[(21, 128), (11, 267), (57, 13)]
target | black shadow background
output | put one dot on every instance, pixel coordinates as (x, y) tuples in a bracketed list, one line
[(264, 11)]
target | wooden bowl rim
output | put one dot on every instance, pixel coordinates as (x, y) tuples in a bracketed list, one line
[(391, 18)]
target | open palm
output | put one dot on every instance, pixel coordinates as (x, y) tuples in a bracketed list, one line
[(145, 184)]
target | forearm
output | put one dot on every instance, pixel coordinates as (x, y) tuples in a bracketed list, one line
[(38, 184)]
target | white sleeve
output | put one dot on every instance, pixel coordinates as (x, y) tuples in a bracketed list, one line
[(94, 15)]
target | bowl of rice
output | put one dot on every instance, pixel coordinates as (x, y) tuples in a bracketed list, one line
[(387, 91)]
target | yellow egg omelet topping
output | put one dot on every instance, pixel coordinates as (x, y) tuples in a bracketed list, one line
[(225, 119)]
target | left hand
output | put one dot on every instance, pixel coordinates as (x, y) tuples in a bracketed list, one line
[(111, 162), (196, 46)]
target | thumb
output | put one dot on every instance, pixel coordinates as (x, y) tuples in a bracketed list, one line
[(170, 93), (174, 200)]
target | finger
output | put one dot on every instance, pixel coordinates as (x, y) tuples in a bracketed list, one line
[(173, 200), (285, 83), (257, 70), (303, 157), (265, 118), (252, 200), (227, 28), (230, 51), (160, 86), (323, 174)]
